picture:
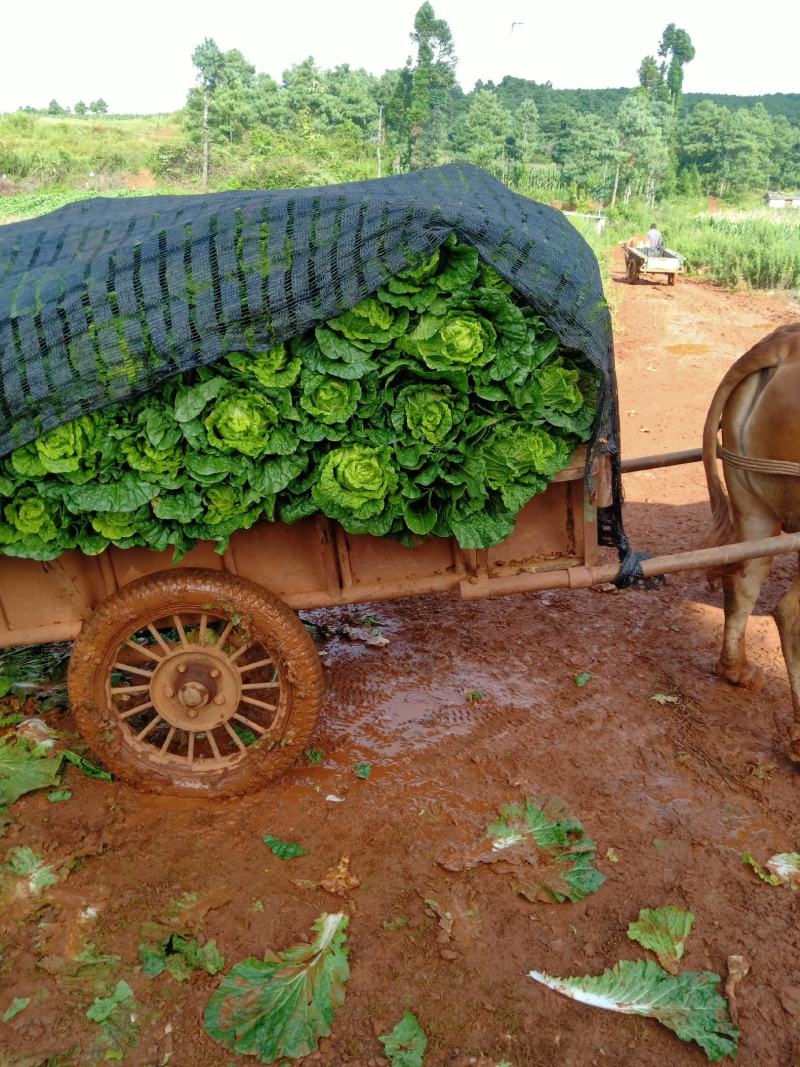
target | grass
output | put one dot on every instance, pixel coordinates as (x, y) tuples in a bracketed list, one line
[(757, 248), (48, 161), (48, 149), (19, 206), (761, 252)]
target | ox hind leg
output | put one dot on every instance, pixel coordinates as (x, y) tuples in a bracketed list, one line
[(741, 591), (787, 616)]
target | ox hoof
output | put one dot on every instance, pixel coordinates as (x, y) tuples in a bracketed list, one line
[(746, 676)]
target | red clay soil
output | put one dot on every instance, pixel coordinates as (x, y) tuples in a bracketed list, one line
[(677, 791)]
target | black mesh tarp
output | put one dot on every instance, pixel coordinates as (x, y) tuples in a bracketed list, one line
[(106, 298)]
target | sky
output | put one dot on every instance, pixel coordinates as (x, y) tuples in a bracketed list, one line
[(137, 55)]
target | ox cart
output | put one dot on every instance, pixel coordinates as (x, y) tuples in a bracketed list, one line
[(200, 679), (197, 677), (642, 260)]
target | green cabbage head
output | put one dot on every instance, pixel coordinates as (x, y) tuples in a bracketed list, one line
[(115, 525), (329, 400), (31, 515), (371, 323), (426, 411), (559, 388), (515, 450), (143, 456), (241, 421), (274, 369), (355, 479), (462, 341), (67, 447)]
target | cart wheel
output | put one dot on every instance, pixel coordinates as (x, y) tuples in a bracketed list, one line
[(671, 279), (195, 683)]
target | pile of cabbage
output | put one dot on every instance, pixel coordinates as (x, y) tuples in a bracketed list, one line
[(439, 405)]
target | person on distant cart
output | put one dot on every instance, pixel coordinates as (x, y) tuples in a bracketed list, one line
[(655, 240)]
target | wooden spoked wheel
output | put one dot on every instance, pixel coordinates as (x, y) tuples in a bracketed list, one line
[(196, 683)]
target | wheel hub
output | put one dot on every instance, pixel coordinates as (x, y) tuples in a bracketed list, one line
[(196, 690)]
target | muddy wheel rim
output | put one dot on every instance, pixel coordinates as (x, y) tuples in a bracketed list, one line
[(192, 690)]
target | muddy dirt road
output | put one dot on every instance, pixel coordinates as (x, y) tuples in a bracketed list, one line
[(676, 790)]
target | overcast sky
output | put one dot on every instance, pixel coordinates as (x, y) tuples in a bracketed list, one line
[(137, 55)]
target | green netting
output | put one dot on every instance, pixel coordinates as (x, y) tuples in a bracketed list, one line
[(104, 300)]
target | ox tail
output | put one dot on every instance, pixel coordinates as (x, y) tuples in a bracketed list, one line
[(761, 357)]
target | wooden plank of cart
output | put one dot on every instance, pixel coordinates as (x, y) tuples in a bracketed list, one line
[(641, 260), (198, 678)]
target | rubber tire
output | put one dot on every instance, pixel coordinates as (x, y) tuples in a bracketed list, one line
[(671, 279), (265, 615)]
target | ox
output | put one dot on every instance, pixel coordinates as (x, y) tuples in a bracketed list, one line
[(757, 404)]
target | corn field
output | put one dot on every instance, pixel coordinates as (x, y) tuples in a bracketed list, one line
[(762, 251)]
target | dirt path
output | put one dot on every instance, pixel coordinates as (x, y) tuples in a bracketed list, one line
[(676, 790)]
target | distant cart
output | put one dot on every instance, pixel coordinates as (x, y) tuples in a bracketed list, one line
[(641, 261)]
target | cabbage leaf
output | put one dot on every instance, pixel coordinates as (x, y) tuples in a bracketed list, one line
[(688, 1004), (282, 1005)]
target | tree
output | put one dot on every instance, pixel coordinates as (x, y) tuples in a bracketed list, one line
[(746, 160), (229, 98), (432, 81), (650, 76), (732, 151), (207, 59), (398, 106), (54, 108), (270, 104), (488, 124), (644, 155), (231, 106), (676, 49), (526, 129), (555, 127), (99, 106), (588, 151), (785, 152), (80, 108), (352, 97), (702, 142)]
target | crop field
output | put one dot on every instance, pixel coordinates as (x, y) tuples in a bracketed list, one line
[(761, 251)]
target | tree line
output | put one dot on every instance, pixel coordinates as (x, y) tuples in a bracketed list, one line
[(312, 126), (96, 107), (611, 143)]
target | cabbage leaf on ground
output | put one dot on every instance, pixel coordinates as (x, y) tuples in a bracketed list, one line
[(31, 761), (542, 846), (282, 1005), (782, 869), (664, 931), (405, 1045), (688, 1004)]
